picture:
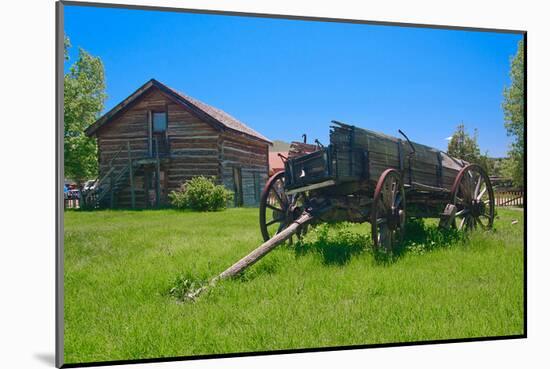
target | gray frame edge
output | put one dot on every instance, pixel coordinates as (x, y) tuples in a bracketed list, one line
[(59, 216)]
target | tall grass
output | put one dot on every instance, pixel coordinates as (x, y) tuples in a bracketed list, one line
[(124, 271)]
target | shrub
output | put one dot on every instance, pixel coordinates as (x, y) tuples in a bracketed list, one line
[(421, 237), (184, 284), (202, 194), (336, 243)]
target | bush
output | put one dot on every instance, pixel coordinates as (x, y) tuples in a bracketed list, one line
[(202, 194), (185, 284), (336, 243)]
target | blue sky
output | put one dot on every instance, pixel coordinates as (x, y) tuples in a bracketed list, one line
[(288, 77)]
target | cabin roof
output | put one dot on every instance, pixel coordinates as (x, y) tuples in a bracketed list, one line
[(207, 112)]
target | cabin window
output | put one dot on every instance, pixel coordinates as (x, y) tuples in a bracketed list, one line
[(159, 122)]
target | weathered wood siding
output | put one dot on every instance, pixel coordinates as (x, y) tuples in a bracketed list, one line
[(196, 148), (428, 166), (251, 156), (193, 147), (129, 126)]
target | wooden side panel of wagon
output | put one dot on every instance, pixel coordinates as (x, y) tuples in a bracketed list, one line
[(362, 154)]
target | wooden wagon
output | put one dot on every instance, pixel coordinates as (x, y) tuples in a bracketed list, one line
[(365, 176)]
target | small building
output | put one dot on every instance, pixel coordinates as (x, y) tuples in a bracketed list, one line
[(276, 163), (157, 138)]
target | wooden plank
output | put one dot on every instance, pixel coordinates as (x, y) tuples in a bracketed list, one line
[(257, 254), (427, 166), (314, 186), (157, 167), (150, 131), (424, 187), (131, 174)]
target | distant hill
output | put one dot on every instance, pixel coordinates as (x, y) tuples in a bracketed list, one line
[(279, 146)]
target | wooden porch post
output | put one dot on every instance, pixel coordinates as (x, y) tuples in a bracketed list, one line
[(158, 173), (150, 131), (131, 173), (111, 189)]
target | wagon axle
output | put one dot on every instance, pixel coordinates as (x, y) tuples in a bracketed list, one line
[(395, 219), (477, 208)]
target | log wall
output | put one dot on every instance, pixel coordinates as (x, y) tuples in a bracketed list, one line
[(193, 147), (251, 156), (129, 126), (196, 148)]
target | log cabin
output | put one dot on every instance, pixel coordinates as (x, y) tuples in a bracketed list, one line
[(157, 138)]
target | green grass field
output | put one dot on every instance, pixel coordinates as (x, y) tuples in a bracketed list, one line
[(330, 291)]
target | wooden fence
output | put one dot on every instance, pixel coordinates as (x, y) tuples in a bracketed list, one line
[(72, 203), (509, 197)]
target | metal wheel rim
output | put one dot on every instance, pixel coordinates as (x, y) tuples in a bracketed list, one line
[(473, 196), (389, 198), (274, 205)]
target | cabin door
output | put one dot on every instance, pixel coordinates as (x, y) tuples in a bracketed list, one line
[(238, 186), (155, 187)]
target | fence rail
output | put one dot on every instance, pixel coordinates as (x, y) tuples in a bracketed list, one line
[(509, 197), (73, 203)]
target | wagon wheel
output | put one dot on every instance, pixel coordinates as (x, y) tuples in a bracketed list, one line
[(472, 194), (277, 209), (388, 210)]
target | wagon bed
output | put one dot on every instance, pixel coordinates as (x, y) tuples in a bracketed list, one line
[(366, 176), (357, 154)]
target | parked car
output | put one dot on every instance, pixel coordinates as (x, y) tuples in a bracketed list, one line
[(89, 185)]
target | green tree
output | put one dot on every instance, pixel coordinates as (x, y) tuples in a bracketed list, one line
[(84, 96), (514, 108), (465, 147)]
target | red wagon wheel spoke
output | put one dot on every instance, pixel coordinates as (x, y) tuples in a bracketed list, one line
[(482, 193), (478, 185), (480, 223), (393, 191), (273, 207), (461, 225), (282, 198), (276, 220), (277, 209), (484, 220), (462, 212), (472, 194), (388, 210)]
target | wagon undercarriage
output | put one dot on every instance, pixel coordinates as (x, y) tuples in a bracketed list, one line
[(363, 176)]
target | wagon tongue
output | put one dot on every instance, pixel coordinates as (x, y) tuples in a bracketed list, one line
[(305, 218)]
